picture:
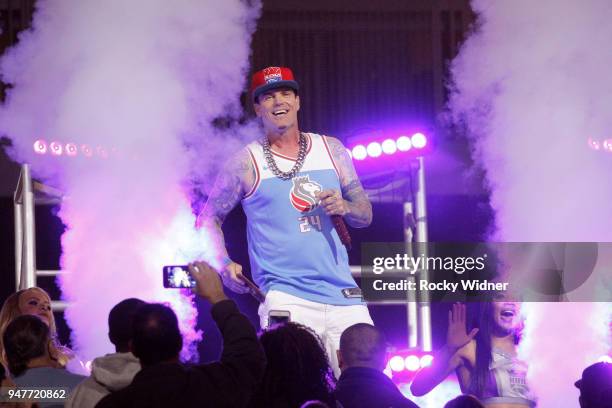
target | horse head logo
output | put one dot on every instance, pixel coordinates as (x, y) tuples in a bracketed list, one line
[(303, 194)]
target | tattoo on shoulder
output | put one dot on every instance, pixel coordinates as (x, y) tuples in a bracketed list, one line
[(228, 189), (337, 148), (360, 214), (348, 177), (243, 163)]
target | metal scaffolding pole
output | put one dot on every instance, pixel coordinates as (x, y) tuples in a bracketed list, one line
[(24, 201), (421, 237), (411, 305), (18, 214), (418, 311), (25, 244)]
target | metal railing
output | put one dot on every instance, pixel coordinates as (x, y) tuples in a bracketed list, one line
[(418, 307), (24, 201)]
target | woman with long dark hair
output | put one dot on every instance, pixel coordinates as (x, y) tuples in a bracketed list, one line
[(485, 359), (297, 369)]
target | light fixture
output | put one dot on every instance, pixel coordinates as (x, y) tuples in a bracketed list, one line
[(418, 140), (359, 152), (374, 150)]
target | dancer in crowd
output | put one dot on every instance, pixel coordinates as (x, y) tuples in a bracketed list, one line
[(291, 185), (485, 359)]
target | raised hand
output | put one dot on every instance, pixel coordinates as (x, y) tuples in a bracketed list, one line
[(208, 283), (457, 336)]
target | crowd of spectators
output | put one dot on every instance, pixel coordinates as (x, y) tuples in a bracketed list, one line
[(285, 366)]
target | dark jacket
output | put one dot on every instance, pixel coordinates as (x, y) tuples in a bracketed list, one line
[(362, 387), (227, 383)]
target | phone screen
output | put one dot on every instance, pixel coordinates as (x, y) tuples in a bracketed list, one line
[(178, 276), (278, 317)]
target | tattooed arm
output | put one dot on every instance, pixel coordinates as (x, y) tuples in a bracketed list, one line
[(357, 208), (233, 181)]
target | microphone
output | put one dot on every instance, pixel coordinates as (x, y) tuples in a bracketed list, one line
[(254, 290), (342, 231)]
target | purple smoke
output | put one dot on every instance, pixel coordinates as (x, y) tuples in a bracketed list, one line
[(530, 85), (142, 80)]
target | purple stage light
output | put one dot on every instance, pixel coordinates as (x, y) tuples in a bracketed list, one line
[(56, 148), (86, 150), (71, 149), (607, 145), (40, 146), (102, 152), (359, 152), (374, 149), (593, 144), (413, 363), (389, 147), (418, 140), (403, 143), (426, 360), (396, 363)]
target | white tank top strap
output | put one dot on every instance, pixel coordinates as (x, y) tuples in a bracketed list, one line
[(318, 156)]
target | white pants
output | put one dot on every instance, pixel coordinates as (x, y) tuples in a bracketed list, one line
[(328, 321)]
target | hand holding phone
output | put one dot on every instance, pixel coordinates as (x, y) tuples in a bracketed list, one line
[(178, 276), (199, 276), (208, 282)]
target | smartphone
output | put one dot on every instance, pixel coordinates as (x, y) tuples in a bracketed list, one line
[(352, 293), (278, 317), (178, 276)]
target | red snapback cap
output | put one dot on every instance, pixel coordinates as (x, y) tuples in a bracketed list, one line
[(271, 78)]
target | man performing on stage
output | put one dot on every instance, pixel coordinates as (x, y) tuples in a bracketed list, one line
[(290, 184)]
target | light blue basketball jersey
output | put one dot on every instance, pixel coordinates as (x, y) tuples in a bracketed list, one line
[(293, 245)]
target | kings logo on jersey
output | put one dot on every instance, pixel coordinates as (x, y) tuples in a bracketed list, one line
[(303, 194)]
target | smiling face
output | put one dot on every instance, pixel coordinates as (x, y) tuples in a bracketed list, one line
[(278, 109), (36, 303), (506, 316)]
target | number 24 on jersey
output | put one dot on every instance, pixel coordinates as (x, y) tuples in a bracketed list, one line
[(309, 222)]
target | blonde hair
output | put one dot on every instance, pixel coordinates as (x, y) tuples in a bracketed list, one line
[(10, 311)]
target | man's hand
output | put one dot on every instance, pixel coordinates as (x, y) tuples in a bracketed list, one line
[(232, 278), (333, 203), (457, 336), (208, 283)]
